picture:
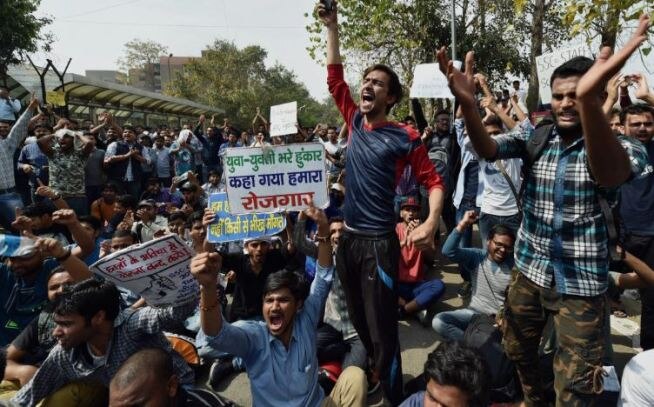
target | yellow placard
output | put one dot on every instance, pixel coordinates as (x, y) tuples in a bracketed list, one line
[(56, 98)]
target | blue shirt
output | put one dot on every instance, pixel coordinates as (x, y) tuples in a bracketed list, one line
[(21, 301), (279, 376), (468, 182), (637, 199), (415, 400)]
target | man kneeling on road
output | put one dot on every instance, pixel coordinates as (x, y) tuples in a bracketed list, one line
[(280, 353)]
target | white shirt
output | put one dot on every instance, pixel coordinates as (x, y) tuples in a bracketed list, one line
[(638, 381)]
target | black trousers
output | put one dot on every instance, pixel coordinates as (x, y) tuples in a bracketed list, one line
[(643, 248), (368, 267)]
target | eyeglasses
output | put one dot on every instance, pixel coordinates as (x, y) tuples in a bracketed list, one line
[(499, 245)]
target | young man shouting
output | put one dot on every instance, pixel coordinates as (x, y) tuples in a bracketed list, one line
[(368, 253)]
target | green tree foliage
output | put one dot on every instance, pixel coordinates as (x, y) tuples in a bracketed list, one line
[(142, 55), (403, 33), (21, 32), (604, 18), (238, 81)]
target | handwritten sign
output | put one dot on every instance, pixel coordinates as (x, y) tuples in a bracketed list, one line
[(228, 227), (157, 270), (547, 63), (283, 119), (429, 82), (274, 179)]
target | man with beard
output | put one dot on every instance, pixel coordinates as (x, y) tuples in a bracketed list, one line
[(368, 253), (95, 338), (279, 352), (637, 209), (122, 162), (562, 246)]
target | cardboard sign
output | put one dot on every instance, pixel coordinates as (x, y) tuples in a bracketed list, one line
[(429, 82), (277, 178), (157, 270), (228, 227), (283, 119), (547, 63)]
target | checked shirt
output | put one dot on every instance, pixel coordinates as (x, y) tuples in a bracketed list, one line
[(562, 240)]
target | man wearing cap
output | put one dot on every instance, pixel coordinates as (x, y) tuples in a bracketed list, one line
[(67, 160), (123, 160), (23, 279), (149, 225)]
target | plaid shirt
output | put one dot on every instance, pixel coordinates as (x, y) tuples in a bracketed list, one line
[(562, 239), (133, 331), (8, 146)]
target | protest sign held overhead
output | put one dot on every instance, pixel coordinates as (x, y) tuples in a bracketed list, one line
[(228, 227), (285, 177), (157, 270), (547, 63), (429, 82), (283, 119)]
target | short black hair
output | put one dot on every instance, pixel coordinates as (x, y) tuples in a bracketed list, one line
[(335, 219), (194, 217), (214, 172), (127, 201), (38, 209), (295, 282), (153, 180), (493, 120), (112, 186), (454, 364), (120, 233), (441, 111), (94, 222), (176, 216), (409, 119), (636, 109), (147, 361), (501, 230), (576, 66), (394, 86), (87, 298)]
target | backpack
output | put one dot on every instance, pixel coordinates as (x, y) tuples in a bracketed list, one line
[(534, 148), (483, 336)]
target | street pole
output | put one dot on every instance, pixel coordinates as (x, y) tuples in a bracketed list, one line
[(453, 28)]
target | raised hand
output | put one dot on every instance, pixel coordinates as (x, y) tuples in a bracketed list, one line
[(643, 90), (208, 218), (328, 17), (205, 267), (64, 216), (591, 85), (462, 85)]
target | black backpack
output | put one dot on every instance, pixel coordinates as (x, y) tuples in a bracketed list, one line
[(534, 148)]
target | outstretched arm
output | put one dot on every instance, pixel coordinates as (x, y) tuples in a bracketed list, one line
[(330, 20), (204, 268), (607, 159), (463, 87)]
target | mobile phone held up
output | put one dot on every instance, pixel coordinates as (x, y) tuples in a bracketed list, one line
[(329, 4)]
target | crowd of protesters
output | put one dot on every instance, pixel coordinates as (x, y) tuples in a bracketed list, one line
[(564, 208)]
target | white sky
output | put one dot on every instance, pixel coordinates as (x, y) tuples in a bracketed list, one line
[(92, 33)]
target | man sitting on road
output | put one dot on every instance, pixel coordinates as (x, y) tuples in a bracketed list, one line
[(279, 352)]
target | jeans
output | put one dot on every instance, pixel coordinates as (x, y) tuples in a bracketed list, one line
[(487, 221), (466, 237), (451, 325), (79, 204), (8, 205), (424, 292)]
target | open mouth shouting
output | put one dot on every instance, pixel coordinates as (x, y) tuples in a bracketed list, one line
[(367, 100)]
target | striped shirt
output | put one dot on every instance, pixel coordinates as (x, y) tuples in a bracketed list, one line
[(8, 146), (562, 240)]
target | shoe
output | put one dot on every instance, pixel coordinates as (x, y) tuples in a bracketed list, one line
[(422, 317), (464, 290), (219, 370), (373, 388)]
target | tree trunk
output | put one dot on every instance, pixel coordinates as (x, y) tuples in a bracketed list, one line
[(536, 50)]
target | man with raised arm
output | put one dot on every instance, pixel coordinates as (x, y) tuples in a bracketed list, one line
[(562, 245), (368, 253)]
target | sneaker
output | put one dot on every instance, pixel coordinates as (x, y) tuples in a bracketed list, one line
[(373, 388), (464, 290), (219, 370), (422, 317)]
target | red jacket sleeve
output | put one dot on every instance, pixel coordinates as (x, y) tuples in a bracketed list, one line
[(423, 169), (341, 92)]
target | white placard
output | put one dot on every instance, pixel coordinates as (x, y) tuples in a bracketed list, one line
[(283, 119), (430, 82), (547, 63), (275, 178), (157, 270)]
